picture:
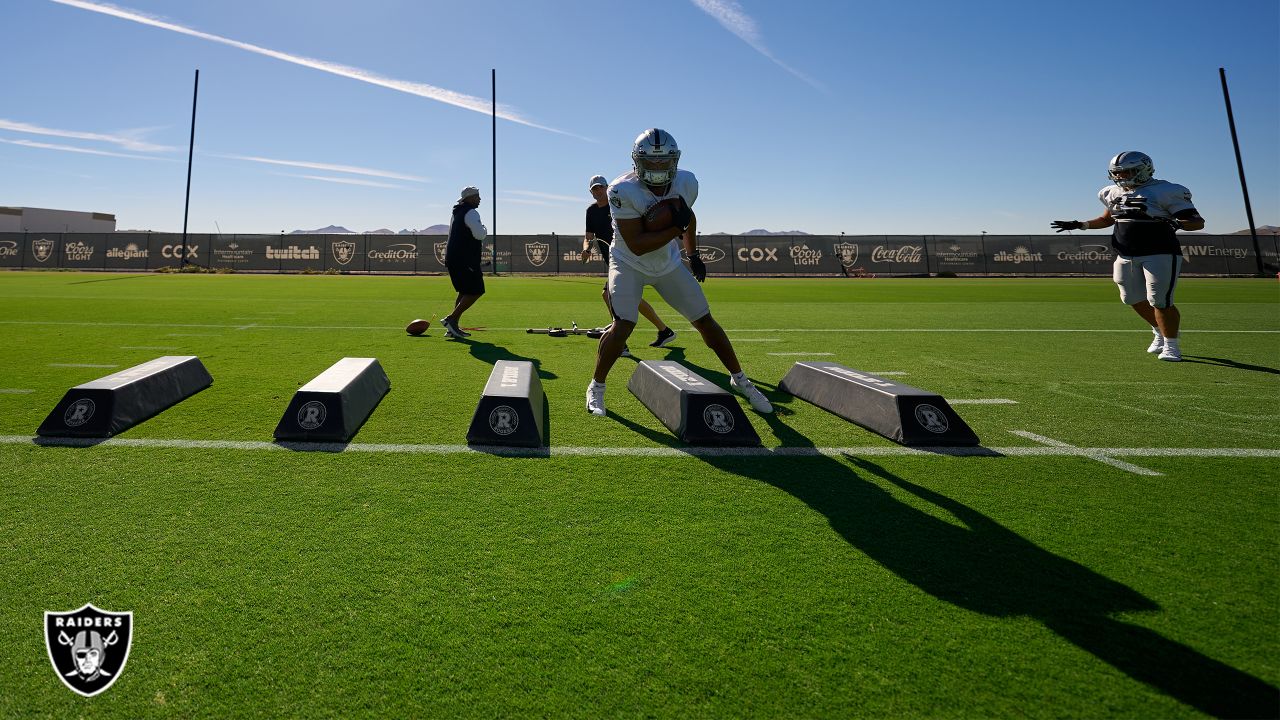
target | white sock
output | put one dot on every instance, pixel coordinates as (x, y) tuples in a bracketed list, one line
[(1171, 343), (595, 384), (1156, 331), (739, 376)]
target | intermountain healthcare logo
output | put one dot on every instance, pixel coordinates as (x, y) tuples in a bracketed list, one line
[(343, 251), (42, 249), (848, 253), (88, 647), (537, 252)]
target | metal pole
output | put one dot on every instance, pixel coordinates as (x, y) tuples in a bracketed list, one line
[(493, 198), (1235, 142), (191, 149)]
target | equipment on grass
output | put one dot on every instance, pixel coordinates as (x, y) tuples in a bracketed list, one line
[(902, 413), (565, 332), (417, 327), (333, 406), (112, 404), (697, 411), (512, 407)]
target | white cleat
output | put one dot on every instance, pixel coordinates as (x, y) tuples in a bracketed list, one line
[(758, 401), (595, 399), (1170, 354), (1156, 345)]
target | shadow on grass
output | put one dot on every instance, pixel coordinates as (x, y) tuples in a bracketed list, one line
[(984, 567), (491, 353), (1224, 362)]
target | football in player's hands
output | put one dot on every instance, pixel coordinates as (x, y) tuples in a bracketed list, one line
[(417, 327), (665, 214)]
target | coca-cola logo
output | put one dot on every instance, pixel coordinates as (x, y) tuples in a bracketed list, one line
[(902, 254)]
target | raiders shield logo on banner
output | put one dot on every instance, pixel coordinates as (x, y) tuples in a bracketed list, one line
[(537, 252), (88, 647), (343, 251), (42, 249), (440, 248), (847, 252)]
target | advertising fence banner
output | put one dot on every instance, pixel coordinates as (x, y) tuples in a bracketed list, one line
[(762, 255)]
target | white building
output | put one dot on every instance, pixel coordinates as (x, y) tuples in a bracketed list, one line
[(44, 220)]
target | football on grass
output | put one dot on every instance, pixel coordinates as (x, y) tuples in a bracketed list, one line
[(662, 215), (417, 327)]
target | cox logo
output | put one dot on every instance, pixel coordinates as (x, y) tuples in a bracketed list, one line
[(758, 254), (176, 251)]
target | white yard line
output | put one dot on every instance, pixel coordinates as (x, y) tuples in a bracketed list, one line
[(809, 354), (148, 347), (731, 331), (887, 372), (983, 401), (1093, 454), (1057, 450), (15, 391), (81, 365)]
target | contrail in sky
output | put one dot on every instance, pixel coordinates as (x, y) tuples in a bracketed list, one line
[(124, 140), (326, 166), (431, 92), (346, 181), (730, 15), (86, 151)]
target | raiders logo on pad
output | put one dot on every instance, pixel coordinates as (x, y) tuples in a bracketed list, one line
[(88, 647), (512, 409), (695, 409)]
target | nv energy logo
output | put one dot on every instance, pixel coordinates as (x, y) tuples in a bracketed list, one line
[(88, 647)]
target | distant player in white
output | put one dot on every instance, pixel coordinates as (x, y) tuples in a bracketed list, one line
[(1146, 213), (642, 258)]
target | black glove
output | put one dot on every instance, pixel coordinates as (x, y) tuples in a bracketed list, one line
[(1060, 225), (698, 268), (1131, 208), (682, 214)]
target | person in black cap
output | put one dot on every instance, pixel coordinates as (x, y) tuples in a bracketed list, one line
[(600, 234), (462, 258)]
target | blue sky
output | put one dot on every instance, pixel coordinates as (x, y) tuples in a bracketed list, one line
[(846, 116)]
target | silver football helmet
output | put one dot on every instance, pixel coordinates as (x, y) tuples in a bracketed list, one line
[(1130, 169), (655, 156)]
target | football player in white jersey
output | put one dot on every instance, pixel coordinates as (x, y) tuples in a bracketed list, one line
[(1146, 213), (641, 258)]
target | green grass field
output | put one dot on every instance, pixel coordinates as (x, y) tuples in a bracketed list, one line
[(1116, 553)]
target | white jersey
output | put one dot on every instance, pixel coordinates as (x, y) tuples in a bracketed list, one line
[(630, 198), (1136, 238)]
